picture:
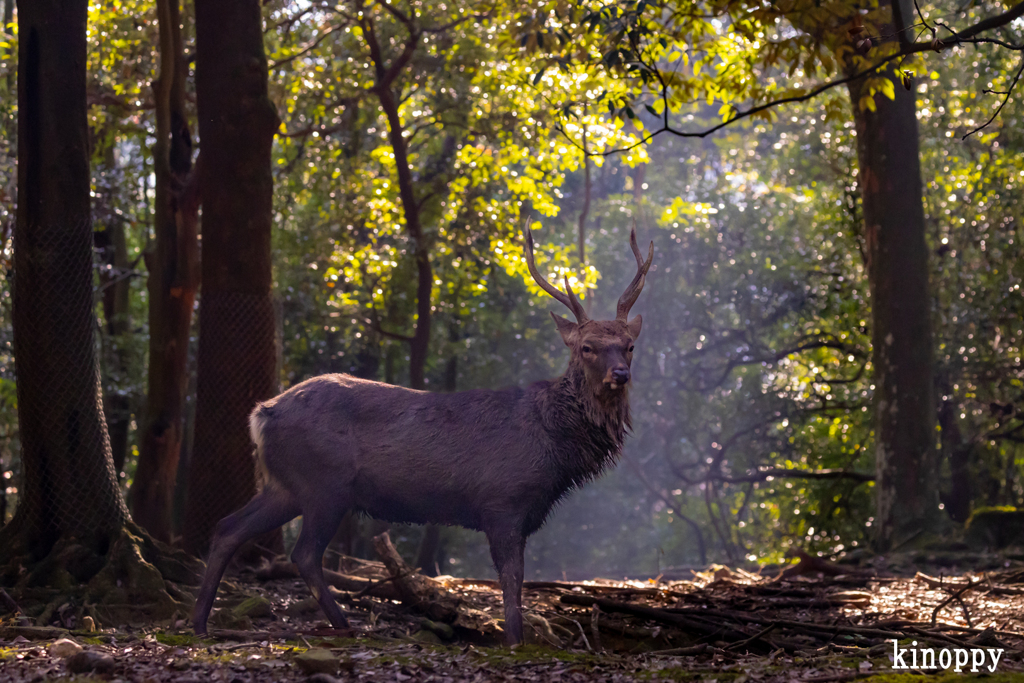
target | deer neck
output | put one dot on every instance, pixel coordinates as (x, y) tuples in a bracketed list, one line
[(598, 420)]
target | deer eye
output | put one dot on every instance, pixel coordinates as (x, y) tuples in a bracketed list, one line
[(587, 349), (631, 348)]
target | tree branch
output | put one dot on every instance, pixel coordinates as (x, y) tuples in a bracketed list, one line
[(1002, 104), (910, 48), (784, 473)]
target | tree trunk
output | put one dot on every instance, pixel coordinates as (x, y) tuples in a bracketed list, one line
[(237, 358), (419, 346), (959, 451), (72, 530), (69, 487), (581, 236), (906, 488), (173, 280), (428, 554), (386, 74)]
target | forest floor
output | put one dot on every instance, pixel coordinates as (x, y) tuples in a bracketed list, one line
[(816, 621)]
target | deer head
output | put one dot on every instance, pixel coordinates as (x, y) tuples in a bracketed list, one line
[(602, 348)]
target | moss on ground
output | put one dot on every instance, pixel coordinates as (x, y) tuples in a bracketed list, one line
[(181, 639)]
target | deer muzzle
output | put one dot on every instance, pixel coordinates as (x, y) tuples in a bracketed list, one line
[(618, 377)]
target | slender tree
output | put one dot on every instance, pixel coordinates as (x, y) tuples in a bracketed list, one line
[(237, 358), (173, 279)]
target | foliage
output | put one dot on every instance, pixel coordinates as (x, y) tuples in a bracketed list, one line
[(755, 352)]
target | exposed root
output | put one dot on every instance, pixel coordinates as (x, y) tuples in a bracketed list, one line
[(126, 579)]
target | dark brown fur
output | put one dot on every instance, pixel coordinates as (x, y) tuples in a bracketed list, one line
[(496, 461)]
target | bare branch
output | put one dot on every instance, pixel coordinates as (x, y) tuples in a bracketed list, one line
[(1002, 104), (312, 45), (784, 473)]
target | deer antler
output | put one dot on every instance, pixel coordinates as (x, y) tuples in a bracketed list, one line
[(570, 301), (628, 297)]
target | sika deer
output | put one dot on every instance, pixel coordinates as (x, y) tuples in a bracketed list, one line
[(496, 461)]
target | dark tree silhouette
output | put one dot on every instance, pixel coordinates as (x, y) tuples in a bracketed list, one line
[(173, 279), (237, 364), (896, 256), (69, 486)]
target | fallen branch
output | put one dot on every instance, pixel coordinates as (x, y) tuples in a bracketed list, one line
[(692, 625), (8, 603), (954, 596), (415, 590), (345, 582), (681, 651), (756, 636)]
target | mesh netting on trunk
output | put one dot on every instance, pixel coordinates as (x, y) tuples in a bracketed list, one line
[(68, 482), (236, 369)]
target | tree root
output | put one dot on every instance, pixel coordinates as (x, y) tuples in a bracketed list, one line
[(126, 579)]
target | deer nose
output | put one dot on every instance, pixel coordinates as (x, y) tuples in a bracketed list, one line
[(620, 375)]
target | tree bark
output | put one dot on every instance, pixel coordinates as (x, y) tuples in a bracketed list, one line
[(906, 486), (237, 358), (173, 280), (69, 487)]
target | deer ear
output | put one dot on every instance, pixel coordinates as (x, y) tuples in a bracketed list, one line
[(634, 326), (566, 328)]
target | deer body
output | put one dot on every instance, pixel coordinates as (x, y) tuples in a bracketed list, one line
[(475, 458), (495, 461)]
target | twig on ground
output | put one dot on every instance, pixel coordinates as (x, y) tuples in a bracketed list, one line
[(756, 636), (595, 630), (681, 651), (955, 596), (238, 646), (379, 583), (583, 635)]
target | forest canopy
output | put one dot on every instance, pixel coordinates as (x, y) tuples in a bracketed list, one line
[(414, 142)]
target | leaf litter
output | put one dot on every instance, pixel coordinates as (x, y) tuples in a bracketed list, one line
[(816, 622)]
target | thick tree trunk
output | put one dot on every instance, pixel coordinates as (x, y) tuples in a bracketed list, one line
[(69, 488), (72, 529), (237, 358), (173, 280), (906, 488)]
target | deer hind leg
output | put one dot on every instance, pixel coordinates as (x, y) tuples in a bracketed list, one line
[(317, 531), (507, 550), (271, 508)]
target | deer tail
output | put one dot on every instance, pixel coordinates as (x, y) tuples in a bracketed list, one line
[(257, 423)]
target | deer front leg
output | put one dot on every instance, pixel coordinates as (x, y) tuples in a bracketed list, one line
[(507, 551)]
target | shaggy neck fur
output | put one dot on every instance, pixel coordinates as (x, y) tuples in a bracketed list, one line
[(588, 429)]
